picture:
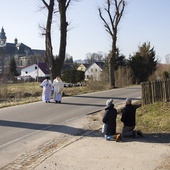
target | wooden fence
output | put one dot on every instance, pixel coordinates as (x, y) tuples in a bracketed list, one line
[(156, 91)]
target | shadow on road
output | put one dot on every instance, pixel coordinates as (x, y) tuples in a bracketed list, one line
[(148, 138), (103, 97), (42, 127)]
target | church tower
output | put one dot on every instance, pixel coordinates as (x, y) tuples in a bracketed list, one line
[(2, 37)]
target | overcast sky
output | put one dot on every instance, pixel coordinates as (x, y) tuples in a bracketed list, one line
[(143, 21)]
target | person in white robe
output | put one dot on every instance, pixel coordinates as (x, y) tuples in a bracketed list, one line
[(47, 88), (58, 89)]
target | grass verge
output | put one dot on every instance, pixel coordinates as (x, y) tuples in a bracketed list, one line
[(154, 118)]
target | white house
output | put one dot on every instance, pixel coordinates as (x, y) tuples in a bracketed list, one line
[(94, 71), (35, 71)]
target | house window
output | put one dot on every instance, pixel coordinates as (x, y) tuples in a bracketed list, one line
[(28, 62), (91, 70), (21, 62), (96, 70)]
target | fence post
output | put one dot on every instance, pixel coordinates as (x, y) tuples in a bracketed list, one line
[(156, 91)]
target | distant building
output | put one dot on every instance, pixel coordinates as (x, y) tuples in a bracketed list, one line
[(83, 67), (23, 55), (94, 71), (36, 71)]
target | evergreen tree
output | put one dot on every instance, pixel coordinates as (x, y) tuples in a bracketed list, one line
[(12, 68), (120, 62), (139, 66), (143, 63), (79, 76), (69, 59), (73, 76)]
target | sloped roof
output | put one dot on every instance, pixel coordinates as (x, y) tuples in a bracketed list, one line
[(10, 48), (36, 51), (101, 64), (23, 49), (20, 49), (86, 65), (44, 67)]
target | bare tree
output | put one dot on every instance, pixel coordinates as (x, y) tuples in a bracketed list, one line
[(48, 44), (114, 10), (93, 57), (55, 63), (62, 6)]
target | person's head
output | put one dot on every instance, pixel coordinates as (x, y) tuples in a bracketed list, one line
[(58, 77), (128, 101), (47, 78), (109, 102)]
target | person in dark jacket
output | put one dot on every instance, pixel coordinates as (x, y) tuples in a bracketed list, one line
[(109, 120), (129, 120)]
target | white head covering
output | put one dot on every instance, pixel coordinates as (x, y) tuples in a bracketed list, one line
[(128, 101), (109, 102)]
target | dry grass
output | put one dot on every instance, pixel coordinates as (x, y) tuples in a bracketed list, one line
[(154, 118), (21, 93)]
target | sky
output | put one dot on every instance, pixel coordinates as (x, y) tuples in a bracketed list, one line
[(143, 21)]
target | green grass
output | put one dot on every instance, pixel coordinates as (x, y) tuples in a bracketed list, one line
[(154, 118)]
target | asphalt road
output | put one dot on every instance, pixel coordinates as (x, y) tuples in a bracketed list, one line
[(25, 127)]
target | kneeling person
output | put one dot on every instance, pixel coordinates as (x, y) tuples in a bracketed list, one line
[(109, 120)]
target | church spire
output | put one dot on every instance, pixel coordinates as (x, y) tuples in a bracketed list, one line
[(2, 37)]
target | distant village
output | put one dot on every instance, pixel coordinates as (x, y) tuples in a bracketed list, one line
[(31, 62)]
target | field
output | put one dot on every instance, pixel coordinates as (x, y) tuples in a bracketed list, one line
[(20, 93)]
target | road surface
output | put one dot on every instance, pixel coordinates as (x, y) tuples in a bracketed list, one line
[(25, 127)]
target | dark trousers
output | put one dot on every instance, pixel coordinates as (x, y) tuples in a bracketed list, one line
[(127, 131)]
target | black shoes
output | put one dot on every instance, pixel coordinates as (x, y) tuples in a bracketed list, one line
[(135, 134), (58, 101), (139, 132)]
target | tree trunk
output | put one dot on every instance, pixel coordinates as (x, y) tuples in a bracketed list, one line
[(113, 59), (55, 64), (112, 71), (48, 43), (59, 61)]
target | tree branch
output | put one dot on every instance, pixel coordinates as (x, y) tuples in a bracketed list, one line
[(45, 3)]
